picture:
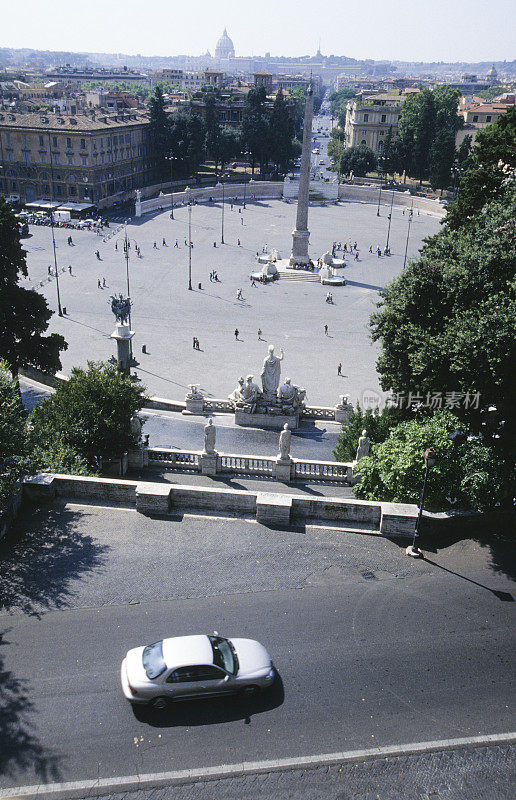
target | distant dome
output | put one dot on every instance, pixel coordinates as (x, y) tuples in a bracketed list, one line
[(492, 72), (224, 47)]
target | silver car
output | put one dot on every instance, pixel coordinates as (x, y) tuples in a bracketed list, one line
[(195, 666)]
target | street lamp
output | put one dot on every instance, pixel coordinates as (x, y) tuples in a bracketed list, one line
[(190, 245), (411, 214), (379, 198), (223, 203), (171, 159), (430, 459), (246, 153), (390, 218)]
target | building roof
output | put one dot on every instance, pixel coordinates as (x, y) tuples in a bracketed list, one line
[(81, 122)]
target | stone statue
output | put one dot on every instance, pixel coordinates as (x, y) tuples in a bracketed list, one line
[(236, 396), (270, 373), (194, 393), (250, 394), (210, 433), (138, 196), (363, 446), (287, 393), (121, 307), (284, 443), (136, 428)]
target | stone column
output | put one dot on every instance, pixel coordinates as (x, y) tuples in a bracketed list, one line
[(301, 234), (123, 337)]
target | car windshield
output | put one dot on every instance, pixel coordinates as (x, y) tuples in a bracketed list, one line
[(224, 655), (152, 658)]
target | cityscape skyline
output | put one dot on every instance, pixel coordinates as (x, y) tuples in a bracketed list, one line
[(460, 32)]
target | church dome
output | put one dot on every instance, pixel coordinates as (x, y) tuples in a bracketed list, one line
[(492, 72), (224, 47)]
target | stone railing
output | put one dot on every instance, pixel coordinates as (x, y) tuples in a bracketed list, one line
[(222, 406), (318, 412), (219, 463), (189, 460), (246, 465), (371, 194), (254, 190)]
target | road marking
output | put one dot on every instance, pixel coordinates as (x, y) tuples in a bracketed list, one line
[(148, 780)]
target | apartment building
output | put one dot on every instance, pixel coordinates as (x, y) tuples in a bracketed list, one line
[(93, 157), (369, 118)]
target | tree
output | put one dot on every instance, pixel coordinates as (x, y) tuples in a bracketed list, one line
[(14, 438), (90, 415), (416, 132), (376, 423), (230, 145), (447, 323), (447, 123), (339, 102), (469, 475), (281, 133), (494, 162), (359, 160), (212, 130), (24, 314), (255, 126), (390, 160), (159, 133), (187, 144)]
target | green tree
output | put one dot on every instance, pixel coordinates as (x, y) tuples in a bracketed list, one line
[(159, 133), (494, 162), (24, 314), (469, 475), (338, 103), (14, 438), (281, 133), (230, 145), (188, 138), (416, 133), (255, 127), (447, 123), (447, 323), (377, 424), (90, 415), (359, 160), (213, 130)]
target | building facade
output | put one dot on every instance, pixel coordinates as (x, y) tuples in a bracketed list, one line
[(95, 157), (369, 118)]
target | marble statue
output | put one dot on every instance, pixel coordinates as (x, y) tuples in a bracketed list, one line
[(271, 371), (121, 307), (250, 394), (287, 393), (138, 196), (236, 395), (194, 393), (363, 446), (284, 443), (210, 433), (136, 428)]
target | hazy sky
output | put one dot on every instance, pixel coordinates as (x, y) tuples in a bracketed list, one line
[(423, 30)]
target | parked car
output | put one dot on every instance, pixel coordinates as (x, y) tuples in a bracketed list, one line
[(321, 162), (185, 667)]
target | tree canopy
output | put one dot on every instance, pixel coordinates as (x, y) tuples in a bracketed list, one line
[(24, 314), (359, 160)]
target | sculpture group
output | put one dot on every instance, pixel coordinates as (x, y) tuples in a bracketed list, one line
[(273, 399)]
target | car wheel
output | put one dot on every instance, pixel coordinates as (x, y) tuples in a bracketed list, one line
[(250, 691), (158, 703)]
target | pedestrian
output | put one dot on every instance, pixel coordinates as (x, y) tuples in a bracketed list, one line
[(326, 330), (231, 206), (98, 255), (99, 285), (238, 242), (370, 248), (103, 282), (236, 333), (356, 255), (176, 244), (239, 210), (259, 333), (193, 342), (253, 282), (155, 246), (214, 244), (164, 242), (339, 369), (378, 251), (331, 298), (116, 246), (70, 269), (186, 243), (49, 270), (355, 246), (241, 220)]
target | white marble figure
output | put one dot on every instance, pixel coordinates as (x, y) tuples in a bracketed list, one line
[(136, 428), (210, 433), (287, 393), (250, 394), (194, 393), (236, 395), (284, 443), (138, 196), (270, 373), (363, 446)]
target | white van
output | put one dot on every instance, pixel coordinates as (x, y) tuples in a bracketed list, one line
[(62, 216)]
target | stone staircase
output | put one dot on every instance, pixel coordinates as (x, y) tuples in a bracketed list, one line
[(299, 275)]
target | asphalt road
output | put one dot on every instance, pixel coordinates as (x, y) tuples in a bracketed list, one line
[(372, 648)]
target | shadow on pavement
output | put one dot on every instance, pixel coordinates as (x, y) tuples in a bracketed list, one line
[(41, 556), (20, 749), (213, 711)]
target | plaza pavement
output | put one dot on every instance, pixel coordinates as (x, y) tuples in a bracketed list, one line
[(165, 316)]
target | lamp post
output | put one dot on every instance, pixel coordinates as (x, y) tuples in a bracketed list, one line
[(126, 242), (411, 214), (390, 218), (171, 159), (59, 309), (430, 459), (246, 153), (379, 198), (223, 203), (190, 245)]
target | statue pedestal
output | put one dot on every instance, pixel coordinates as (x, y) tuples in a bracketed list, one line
[(209, 463), (138, 458), (271, 422), (283, 469), (343, 413), (194, 406), (299, 255), (123, 337)]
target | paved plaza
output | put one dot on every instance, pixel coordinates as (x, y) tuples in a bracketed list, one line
[(166, 316)]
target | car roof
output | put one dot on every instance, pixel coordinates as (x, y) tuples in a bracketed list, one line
[(183, 651)]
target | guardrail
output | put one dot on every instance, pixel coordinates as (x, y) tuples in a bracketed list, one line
[(246, 465)]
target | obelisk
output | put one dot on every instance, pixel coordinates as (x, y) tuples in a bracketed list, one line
[(301, 234)]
